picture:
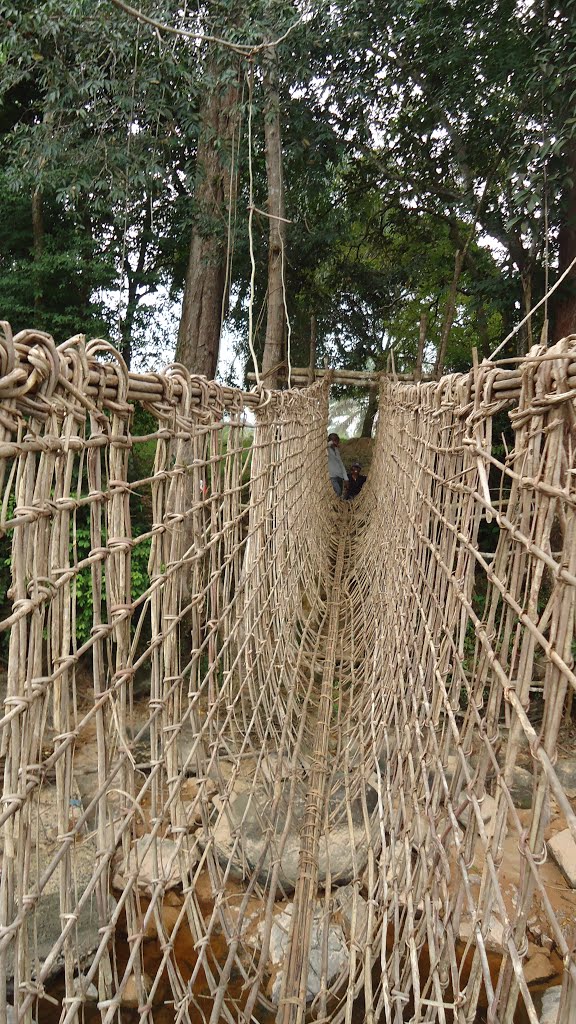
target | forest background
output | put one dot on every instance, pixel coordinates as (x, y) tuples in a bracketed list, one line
[(349, 178)]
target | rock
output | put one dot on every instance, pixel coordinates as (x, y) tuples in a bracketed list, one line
[(130, 993), (248, 927), (522, 739), (451, 767), (141, 859), (395, 860), (521, 789), (487, 810), (86, 782), (563, 849), (191, 789), (249, 816), (140, 748), (45, 928), (173, 899), (566, 772), (493, 939), (550, 1005), (11, 1015), (347, 902), (85, 988), (268, 768), (272, 767), (538, 968), (337, 951), (168, 916)]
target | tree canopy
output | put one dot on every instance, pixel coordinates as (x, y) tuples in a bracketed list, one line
[(425, 152)]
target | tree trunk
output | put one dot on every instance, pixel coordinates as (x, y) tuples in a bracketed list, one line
[(276, 320), (482, 329), (424, 317), (525, 339), (459, 261), (312, 360), (37, 240), (449, 314), (127, 324), (205, 299), (370, 414), (135, 279), (563, 302)]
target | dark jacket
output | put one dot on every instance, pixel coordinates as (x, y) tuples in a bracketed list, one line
[(355, 485)]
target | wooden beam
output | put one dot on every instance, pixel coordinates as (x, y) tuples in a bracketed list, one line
[(300, 375)]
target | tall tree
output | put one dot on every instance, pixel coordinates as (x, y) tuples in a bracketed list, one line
[(101, 141), (433, 93), (554, 86), (206, 284), (274, 342)]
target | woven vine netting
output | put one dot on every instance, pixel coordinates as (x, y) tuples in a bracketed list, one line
[(272, 756)]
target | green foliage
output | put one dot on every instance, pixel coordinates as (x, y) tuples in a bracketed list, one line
[(99, 124), (447, 106), (140, 466), (82, 587), (56, 289), (403, 123)]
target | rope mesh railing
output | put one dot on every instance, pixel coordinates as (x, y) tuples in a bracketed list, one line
[(263, 748)]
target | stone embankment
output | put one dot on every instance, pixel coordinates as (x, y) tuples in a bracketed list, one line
[(252, 819)]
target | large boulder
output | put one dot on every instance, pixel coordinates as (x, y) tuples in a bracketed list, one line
[(44, 928), (563, 850), (334, 944), (551, 1005), (12, 1017), (252, 833), (566, 772), (351, 911), (521, 788), (493, 935), (152, 860)]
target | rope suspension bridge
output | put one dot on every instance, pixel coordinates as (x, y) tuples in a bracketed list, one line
[(276, 778)]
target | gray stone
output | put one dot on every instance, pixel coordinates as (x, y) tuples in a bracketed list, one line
[(487, 810), (140, 858), (521, 789), (272, 767), (566, 772), (337, 959), (563, 849), (550, 1005), (522, 739), (140, 748), (451, 767), (353, 911), (11, 1016), (134, 989), (86, 989), (86, 782), (45, 928), (249, 821), (493, 937)]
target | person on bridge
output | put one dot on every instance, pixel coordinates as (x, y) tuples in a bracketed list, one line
[(356, 480), (336, 468)]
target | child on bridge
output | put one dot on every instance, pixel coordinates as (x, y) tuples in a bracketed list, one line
[(336, 468)]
